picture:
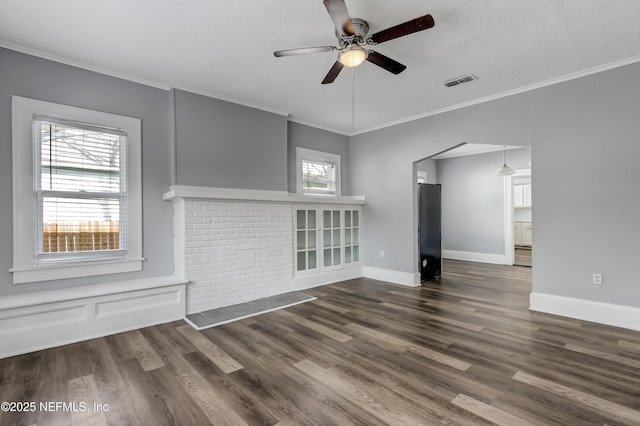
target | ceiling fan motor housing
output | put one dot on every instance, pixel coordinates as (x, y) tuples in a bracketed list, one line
[(359, 37), (360, 27)]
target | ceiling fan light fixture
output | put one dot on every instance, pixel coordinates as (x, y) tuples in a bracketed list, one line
[(353, 56)]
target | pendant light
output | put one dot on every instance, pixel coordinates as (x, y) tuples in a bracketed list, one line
[(504, 170)]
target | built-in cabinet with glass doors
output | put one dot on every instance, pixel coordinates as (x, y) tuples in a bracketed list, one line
[(326, 239)]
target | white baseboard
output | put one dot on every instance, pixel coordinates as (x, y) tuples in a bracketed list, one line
[(587, 310), (315, 280), (396, 277), (42, 320), (498, 259)]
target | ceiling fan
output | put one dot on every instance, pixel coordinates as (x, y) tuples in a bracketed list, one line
[(354, 40)]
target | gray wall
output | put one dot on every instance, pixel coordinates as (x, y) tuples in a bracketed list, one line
[(586, 195), (37, 78), (430, 166), (585, 143), (226, 145), (300, 135), (473, 200), (382, 168)]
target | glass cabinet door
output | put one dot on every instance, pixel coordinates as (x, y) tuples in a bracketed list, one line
[(331, 238), (351, 236), (325, 239), (306, 240)]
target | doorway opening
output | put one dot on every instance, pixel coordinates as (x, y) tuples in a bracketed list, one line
[(518, 219), (427, 217)]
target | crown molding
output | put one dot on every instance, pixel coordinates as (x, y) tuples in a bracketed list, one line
[(134, 79), (167, 86), (523, 89)]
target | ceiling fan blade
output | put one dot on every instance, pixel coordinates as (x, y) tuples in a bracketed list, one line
[(303, 51), (333, 73), (340, 16), (385, 62), (409, 27)]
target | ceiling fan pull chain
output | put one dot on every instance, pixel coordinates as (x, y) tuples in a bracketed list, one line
[(353, 98)]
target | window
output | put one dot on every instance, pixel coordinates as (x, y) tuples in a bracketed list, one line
[(80, 189), (318, 173), (77, 193)]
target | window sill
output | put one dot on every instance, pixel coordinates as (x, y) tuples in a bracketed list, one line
[(74, 270), (83, 292)]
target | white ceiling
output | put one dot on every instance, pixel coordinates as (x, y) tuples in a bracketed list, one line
[(225, 49)]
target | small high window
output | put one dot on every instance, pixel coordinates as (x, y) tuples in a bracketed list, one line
[(318, 173)]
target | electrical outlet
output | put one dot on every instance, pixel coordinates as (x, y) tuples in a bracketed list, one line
[(597, 279), (381, 253)]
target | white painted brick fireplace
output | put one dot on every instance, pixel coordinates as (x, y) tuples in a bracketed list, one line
[(235, 246), (235, 251)]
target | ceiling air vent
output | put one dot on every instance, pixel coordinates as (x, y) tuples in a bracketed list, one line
[(459, 80)]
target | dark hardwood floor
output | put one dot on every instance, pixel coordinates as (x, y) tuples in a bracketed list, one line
[(461, 350)]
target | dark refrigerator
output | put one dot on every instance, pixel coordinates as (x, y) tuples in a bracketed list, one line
[(430, 231)]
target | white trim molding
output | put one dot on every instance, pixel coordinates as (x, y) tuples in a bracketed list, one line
[(523, 89), (212, 193), (409, 279), (587, 310), (301, 120), (41, 320), (497, 259)]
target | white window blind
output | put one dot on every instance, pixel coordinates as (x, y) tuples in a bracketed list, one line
[(318, 177), (81, 190)]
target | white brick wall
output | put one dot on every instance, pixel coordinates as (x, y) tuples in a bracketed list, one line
[(233, 252)]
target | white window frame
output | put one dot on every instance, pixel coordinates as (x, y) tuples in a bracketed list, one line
[(304, 154), (26, 268)]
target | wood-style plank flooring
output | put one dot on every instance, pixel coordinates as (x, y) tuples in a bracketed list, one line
[(522, 256), (460, 350)]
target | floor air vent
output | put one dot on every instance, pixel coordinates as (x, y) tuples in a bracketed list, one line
[(459, 80)]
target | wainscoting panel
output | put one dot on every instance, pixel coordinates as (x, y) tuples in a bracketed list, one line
[(31, 326)]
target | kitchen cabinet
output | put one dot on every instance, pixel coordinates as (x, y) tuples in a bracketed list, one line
[(522, 195), (527, 237), (522, 233)]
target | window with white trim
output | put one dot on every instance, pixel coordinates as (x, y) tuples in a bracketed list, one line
[(77, 192), (317, 173)]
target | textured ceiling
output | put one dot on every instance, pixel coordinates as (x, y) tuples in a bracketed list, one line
[(225, 49)]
